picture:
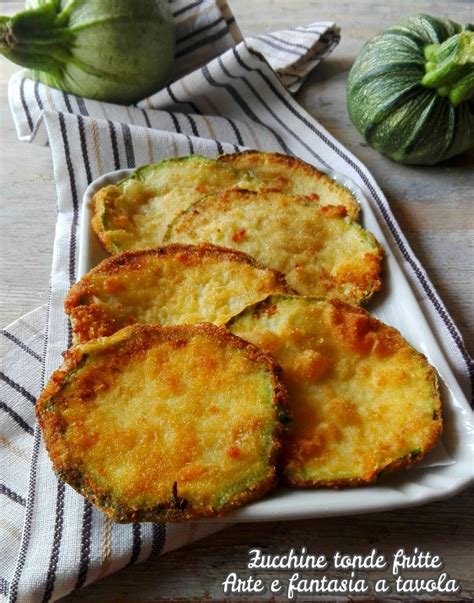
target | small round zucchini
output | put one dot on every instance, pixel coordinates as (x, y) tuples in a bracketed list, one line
[(410, 92), (362, 399), (319, 250), (165, 423)]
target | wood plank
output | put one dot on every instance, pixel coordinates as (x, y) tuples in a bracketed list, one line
[(197, 572)]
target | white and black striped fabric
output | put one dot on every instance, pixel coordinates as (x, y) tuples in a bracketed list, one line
[(54, 541), (294, 53)]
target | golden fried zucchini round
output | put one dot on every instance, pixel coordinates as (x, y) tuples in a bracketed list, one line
[(134, 213), (174, 284), (362, 399), (165, 423), (292, 176), (320, 252)]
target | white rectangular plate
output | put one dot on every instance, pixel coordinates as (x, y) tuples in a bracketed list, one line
[(446, 470)]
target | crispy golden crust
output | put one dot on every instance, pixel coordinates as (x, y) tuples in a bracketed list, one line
[(134, 213), (174, 284), (165, 423), (104, 201), (320, 252), (292, 176), (363, 400)]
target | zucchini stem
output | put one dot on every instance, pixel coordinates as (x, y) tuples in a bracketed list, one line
[(35, 38), (450, 67)]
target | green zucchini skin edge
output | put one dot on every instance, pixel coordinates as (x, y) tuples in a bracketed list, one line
[(142, 172), (387, 102)]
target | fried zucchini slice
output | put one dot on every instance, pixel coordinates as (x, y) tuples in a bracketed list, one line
[(320, 252), (174, 284), (292, 176), (165, 423), (362, 399), (134, 213)]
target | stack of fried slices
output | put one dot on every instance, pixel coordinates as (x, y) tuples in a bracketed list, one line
[(221, 348)]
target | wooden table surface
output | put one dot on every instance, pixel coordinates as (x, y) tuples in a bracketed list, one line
[(434, 207)]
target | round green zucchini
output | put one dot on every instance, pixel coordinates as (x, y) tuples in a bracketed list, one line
[(410, 91)]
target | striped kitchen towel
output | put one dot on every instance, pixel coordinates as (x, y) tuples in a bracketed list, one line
[(226, 98), (295, 52)]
